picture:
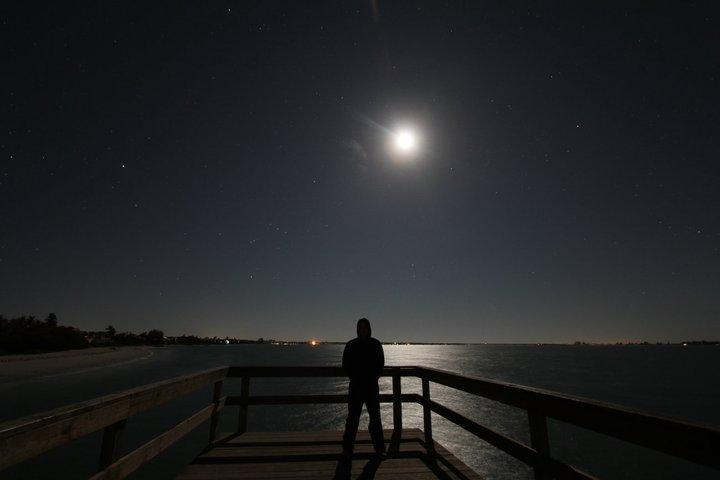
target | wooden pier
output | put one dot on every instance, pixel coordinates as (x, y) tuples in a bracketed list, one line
[(314, 455), (412, 453)]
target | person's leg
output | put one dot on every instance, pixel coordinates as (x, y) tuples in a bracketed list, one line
[(372, 401), (355, 403)]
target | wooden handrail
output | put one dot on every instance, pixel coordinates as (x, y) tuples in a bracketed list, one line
[(686, 440), (135, 459), (29, 436), (32, 435)]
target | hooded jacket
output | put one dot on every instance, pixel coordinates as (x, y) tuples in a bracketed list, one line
[(363, 358)]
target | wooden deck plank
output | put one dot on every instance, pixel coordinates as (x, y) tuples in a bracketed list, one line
[(316, 455)]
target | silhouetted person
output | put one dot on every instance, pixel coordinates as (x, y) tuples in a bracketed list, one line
[(363, 361)]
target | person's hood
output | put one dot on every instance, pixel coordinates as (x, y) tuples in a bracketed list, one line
[(363, 320)]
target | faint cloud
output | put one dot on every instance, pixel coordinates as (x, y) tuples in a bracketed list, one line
[(357, 149), (357, 154)]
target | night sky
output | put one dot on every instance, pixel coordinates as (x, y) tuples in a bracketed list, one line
[(228, 168)]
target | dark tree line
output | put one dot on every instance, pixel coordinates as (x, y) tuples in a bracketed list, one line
[(195, 340), (151, 337), (30, 335)]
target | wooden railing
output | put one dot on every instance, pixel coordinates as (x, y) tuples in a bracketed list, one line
[(30, 436)]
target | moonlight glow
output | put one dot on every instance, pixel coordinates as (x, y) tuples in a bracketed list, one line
[(406, 141)]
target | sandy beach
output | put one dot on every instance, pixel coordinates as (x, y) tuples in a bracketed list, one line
[(18, 367)]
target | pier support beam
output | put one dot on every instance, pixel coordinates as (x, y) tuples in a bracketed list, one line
[(243, 416), (217, 392), (539, 441), (427, 419), (397, 414), (110, 449)]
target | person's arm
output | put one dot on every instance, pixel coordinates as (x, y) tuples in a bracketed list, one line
[(346, 360), (381, 359)]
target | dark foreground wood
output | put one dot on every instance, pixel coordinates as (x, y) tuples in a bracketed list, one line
[(316, 455), (28, 437)]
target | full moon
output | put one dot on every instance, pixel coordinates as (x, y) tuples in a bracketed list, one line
[(406, 141)]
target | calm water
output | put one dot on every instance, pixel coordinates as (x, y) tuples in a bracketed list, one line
[(669, 380)]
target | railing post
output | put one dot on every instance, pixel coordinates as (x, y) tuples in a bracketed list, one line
[(110, 449), (539, 440), (244, 394), (217, 392), (397, 412), (427, 419)]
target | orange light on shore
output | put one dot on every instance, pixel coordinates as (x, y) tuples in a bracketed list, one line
[(313, 343)]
